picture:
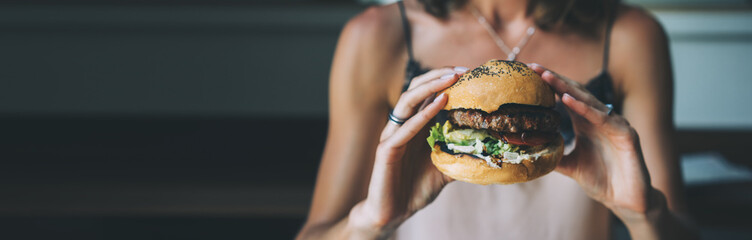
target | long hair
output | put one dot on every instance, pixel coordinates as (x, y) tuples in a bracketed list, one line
[(566, 15)]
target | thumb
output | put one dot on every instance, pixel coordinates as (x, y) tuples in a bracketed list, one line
[(569, 162), (447, 179)]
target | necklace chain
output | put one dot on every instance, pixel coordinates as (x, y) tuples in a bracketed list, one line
[(511, 53)]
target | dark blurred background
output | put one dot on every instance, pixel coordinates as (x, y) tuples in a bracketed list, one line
[(205, 119)]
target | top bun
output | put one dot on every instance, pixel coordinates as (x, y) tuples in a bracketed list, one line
[(498, 82)]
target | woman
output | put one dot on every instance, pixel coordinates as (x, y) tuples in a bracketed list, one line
[(376, 180)]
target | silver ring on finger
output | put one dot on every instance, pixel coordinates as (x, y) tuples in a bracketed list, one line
[(396, 120), (610, 109)]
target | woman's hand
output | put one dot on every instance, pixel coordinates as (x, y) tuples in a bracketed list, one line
[(608, 164), (606, 161), (403, 180)]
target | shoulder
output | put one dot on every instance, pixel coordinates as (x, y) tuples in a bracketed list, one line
[(381, 28), (376, 29), (634, 23), (370, 55), (638, 44), (636, 31)]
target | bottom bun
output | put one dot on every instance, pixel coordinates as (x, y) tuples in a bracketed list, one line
[(470, 169)]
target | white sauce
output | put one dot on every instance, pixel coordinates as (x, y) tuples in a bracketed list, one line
[(509, 157), (461, 149)]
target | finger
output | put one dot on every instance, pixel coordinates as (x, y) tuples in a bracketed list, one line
[(609, 124), (391, 126), (537, 68), (427, 101), (458, 70), (416, 123), (389, 129), (588, 112), (447, 179), (430, 75), (411, 99), (540, 70), (557, 82), (563, 85), (434, 74)]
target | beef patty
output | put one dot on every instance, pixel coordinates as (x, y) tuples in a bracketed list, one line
[(509, 118)]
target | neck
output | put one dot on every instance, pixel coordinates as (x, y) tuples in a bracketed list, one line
[(502, 11)]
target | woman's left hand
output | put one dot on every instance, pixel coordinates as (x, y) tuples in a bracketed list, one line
[(606, 161)]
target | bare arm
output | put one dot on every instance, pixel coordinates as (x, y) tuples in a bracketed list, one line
[(357, 111), (644, 68), (363, 189)]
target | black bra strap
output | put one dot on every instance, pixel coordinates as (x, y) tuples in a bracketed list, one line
[(607, 43), (406, 28)]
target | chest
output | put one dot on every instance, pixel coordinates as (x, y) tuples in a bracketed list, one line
[(467, 44)]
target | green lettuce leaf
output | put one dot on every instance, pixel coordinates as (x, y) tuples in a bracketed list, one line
[(468, 137), (436, 135)]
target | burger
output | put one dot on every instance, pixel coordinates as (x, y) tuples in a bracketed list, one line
[(498, 126)]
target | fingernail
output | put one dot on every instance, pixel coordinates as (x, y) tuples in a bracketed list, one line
[(439, 97), (460, 69), (566, 95), (447, 77)]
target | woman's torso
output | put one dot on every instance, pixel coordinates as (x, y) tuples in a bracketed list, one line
[(552, 207)]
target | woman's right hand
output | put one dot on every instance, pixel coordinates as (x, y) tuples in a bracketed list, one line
[(404, 180)]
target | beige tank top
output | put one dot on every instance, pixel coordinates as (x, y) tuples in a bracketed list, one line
[(552, 207)]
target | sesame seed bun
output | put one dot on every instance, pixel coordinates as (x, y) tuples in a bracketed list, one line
[(498, 82)]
